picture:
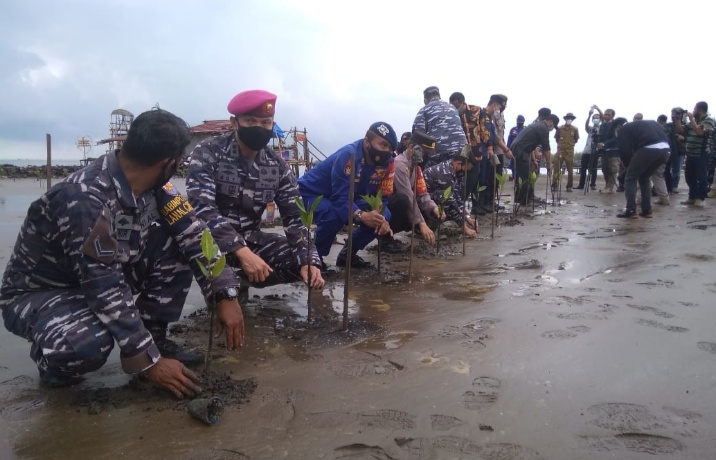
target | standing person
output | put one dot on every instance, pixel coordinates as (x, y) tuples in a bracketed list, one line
[(112, 231), (607, 149), (588, 162), (696, 134), (231, 180), (534, 135), (501, 150), (638, 117), (331, 179), (439, 119), (567, 137), (480, 131), (511, 137), (644, 146), (672, 172)]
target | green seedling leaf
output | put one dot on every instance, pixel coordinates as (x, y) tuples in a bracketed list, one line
[(533, 177), (447, 193), (218, 267), (481, 187), (501, 178), (203, 269), (299, 203), (207, 241), (315, 203)]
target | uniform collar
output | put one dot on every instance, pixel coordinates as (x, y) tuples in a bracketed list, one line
[(120, 182)]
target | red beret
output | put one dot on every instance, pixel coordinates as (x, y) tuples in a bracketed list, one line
[(257, 102)]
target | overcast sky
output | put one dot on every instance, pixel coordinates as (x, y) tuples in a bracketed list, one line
[(338, 66)]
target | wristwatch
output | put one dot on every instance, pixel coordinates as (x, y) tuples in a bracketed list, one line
[(356, 217), (228, 293)]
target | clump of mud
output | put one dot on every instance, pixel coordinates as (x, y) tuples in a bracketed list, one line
[(140, 391)]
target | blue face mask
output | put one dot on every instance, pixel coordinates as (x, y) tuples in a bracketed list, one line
[(595, 121)]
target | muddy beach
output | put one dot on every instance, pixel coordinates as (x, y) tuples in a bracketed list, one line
[(571, 335)]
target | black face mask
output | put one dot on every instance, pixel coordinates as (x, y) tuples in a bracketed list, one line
[(255, 137), (380, 157), (163, 179)]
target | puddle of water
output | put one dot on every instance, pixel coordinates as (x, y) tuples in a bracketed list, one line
[(393, 341)]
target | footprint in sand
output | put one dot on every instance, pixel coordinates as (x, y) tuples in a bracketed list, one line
[(655, 311), (570, 333), (485, 393), (658, 325)]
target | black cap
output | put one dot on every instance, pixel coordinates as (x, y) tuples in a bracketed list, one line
[(617, 122), (425, 141), (430, 91), (499, 98), (544, 112)]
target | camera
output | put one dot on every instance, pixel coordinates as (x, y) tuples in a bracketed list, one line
[(418, 156)]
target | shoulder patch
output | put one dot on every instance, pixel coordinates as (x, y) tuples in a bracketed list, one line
[(169, 188), (100, 245)]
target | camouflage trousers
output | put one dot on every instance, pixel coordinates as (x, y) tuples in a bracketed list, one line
[(69, 338), (275, 250), (567, 158), (610, 169)]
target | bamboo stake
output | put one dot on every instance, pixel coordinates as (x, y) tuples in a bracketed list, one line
[(349, 244)]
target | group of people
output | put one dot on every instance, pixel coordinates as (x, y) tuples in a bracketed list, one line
[(650, 154), (108, 256)]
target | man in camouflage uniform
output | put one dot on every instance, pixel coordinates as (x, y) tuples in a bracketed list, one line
[(567, 137), (232, 178), (440, 120), (451, 173), (110, 231)]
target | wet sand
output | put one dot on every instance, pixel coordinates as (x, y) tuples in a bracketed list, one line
[(571, 335)]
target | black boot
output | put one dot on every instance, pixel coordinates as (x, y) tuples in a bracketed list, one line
[(170, 349), (53, 379), (390, 245), (356, 260)]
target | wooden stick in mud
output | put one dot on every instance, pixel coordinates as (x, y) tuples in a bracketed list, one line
[(494, 206), (349, 242), (412, 235), (48, 138), (464, 210)]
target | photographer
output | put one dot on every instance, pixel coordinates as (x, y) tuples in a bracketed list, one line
[(588, 161)]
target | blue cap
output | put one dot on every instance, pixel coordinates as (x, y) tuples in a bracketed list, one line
[(385, 131), (520, 118)]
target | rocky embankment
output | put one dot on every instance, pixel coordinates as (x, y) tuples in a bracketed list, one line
[(40, 172)]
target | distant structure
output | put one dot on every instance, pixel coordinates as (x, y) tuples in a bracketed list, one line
[(84, 143), (118, 129), (293, 145)]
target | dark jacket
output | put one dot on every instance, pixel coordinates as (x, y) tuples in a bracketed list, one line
[(639, 134)]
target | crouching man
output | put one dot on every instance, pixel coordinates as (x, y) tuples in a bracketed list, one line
[(451, 174), (112, 231)]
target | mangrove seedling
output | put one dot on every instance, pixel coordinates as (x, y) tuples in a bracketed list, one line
[(212, 266), (307, 219), (441, 208), (376, 204), (533, 179)]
